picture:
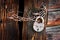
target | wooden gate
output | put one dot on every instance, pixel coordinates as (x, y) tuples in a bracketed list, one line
[(8, 28), (27, 31)]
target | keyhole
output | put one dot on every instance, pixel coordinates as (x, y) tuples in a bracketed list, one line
[(37, 29)]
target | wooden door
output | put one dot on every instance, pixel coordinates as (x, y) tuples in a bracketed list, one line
[(27, 32), (9, 29)]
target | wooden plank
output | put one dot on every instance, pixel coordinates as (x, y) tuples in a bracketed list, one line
[(9, 29), (27, 31)]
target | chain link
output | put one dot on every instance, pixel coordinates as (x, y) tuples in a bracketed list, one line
[(19, 18)]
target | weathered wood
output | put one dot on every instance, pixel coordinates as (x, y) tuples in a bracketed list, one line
[(9, 29), (27, 31)]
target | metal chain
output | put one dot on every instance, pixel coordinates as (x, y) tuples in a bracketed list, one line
[(19, 18), (15, 17)]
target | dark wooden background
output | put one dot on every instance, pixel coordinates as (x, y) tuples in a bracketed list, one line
[(9, 29), (27, 32)]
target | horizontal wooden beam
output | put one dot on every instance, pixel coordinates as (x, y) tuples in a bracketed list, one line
[(54, 6)]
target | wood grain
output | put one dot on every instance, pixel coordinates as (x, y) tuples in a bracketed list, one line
[(27, 31)]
